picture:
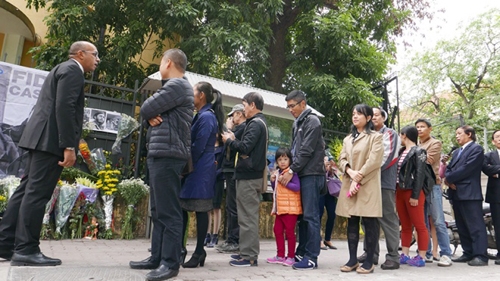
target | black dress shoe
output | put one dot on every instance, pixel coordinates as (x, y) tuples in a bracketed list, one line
[(162, 273), (6, 254), (497, 262), (477, 262), (389, 265), (148, 263), (362, 258), (37, 259), (462, 258)]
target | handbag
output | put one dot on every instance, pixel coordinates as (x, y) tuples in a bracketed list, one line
[(334, 185)]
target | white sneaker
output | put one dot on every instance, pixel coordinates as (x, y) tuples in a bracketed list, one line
[(428, 259), (445, 261)]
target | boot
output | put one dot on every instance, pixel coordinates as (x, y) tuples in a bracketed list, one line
[(196, 259)]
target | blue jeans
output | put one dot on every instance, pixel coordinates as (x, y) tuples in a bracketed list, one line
[(309, 224), (434, 208)]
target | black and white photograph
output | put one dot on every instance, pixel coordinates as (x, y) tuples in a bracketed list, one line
[(98, 120), (112, 122)]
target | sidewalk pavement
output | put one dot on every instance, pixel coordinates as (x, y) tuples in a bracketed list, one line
[(107, 260)]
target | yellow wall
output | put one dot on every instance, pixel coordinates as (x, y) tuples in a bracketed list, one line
[(35, 17), (2, 37), (27, 59)]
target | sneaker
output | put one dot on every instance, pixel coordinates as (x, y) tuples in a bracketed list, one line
[(243, 263), (288, 261), (417, 261), (298, 258), (276, 259), (403, 259), (228, 248), (235, 257), (445, 261), (305, 264), (429, 259)]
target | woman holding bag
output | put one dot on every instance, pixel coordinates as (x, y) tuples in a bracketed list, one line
[(329, 200), (360, 196)]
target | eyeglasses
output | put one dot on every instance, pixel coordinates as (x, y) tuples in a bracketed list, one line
[(95, 54), (290, 106)]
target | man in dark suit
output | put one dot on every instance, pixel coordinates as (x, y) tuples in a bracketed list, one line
[(51, 136), (463, 176), (491, 168)]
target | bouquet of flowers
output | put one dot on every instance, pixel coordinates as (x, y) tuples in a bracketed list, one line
[(48, 209), (65, 201), (9, 184), (125, 128), (86, 155), (3, 199), (107, 183), (132, 190)]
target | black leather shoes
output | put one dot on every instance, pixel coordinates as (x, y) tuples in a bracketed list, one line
[(362, 258), (497, 262), (462, 258), (6, 254), (37, 259), (148, 263), (162, 273), (477, 262), (389, 265)]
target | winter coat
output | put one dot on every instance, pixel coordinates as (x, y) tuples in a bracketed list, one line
[(174, 103), (308, 146), (286, 199), (199, 184), (362, 154)]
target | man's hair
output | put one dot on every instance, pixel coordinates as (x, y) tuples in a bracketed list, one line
[(469, 130), (78, 46), (255, 98), (296, 95), (493, 135), (422, 120), (382, 112), (177, 57)]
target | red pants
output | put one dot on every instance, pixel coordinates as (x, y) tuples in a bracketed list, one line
[(285, 224), (411, 216)]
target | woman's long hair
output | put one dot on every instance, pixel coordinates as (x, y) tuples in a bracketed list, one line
[(214, 97), (366, 111), (411, 133)]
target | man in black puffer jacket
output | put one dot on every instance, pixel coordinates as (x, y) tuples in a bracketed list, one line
[(169, 113)]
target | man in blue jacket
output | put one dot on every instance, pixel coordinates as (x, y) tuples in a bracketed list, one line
[(169, 113), (463, 176), (308, 150)]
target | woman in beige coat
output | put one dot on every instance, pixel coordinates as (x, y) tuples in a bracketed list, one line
[(360, 196)]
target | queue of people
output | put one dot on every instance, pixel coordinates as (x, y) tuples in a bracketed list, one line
[(387, 178)]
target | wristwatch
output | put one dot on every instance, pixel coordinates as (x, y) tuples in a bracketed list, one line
[(290, 171), (70, 148)]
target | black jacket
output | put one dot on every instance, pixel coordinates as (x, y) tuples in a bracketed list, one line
[(491, 167), (251, 149), (56, 122), (412, 173), (308, 145), (230, 154), (174, 102)]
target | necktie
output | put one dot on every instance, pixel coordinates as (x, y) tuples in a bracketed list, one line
[(459, 152)]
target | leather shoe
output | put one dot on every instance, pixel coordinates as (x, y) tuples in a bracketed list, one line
[(37, 259), (497, 262), (389, 265), (346, 268), (163, 272), (477, 262), (462, 258), (6, 254), (148, 263), (362, 258)]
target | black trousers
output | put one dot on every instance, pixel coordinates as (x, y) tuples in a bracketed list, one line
[(495, 217), (22, 221), (233, 228), (471, 228), (165, 183)]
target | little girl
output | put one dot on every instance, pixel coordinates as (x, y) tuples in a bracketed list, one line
[(287, 207)]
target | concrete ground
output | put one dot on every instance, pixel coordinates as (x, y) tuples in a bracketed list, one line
[(108, 260)]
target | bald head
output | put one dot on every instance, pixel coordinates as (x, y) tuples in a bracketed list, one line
[(79, 45), (177, 57)]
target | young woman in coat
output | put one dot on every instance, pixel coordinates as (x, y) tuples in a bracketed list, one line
[(360, 196), (410, 197), (198, 187)]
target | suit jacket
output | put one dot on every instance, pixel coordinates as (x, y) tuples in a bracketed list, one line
[(491, 167), (465, 173), (57, 119)]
